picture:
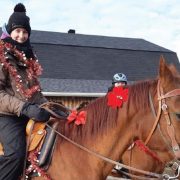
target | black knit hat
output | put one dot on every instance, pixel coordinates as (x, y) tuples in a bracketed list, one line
[(19, 19)]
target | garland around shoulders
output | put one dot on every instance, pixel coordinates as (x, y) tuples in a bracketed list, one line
[(33, 69)]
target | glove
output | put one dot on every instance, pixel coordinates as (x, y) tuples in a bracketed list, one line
[(58, 110), (61, 113), (33, 111)]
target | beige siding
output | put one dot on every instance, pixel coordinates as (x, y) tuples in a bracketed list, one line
[(71, 102)]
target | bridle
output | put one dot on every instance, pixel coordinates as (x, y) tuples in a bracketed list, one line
[(173, 166), (163, 108)]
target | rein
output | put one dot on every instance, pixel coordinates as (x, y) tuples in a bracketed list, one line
[(105, 158), (47, 106)]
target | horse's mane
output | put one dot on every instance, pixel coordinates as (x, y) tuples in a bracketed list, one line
[(100, 116), (139, 94)]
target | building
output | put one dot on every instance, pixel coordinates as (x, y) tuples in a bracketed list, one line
[(79, 68)]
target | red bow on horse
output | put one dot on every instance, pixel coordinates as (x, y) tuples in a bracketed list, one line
[(78, 117)]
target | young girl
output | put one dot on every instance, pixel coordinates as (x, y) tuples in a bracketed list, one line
[(119, 80), (20, 92)]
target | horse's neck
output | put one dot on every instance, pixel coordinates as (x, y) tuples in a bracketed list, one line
[(75, 159), (75, 163), (111, 144)]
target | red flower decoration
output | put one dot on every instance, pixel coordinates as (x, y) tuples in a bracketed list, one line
[(117, 97), (78, 117)]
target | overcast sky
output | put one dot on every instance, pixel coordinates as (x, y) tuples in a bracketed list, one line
[(157, 21)]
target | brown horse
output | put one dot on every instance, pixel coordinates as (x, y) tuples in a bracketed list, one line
[(110, 131), (139, 159)]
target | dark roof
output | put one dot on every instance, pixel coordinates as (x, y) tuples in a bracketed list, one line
[(94, 41), (86, 63)]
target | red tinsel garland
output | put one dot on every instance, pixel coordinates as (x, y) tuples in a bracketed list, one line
[(34, 167), (33, 70), (144, 148)]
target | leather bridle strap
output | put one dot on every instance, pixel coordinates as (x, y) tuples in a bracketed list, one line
[(170, 127), (175, 92), (158, 126), (157, 117), (162, 106)]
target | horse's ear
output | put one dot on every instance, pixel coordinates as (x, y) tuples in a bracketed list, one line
[(165, 74), (173, 70)]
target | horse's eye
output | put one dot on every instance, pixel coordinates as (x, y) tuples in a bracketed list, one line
[(178, 116)]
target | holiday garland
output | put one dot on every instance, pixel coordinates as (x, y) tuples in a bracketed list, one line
[(33, 69), (34, 166)]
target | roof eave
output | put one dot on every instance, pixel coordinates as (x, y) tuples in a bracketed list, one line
[(74, 94)]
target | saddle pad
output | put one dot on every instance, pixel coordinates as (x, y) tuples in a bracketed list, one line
[(48, 146), (37, 134)]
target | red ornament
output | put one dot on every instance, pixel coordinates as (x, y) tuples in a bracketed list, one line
[(72, 116), (117, 96), (78, 117)]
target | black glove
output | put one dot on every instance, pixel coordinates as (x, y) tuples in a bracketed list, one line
[(59, 110), (33, 111), (61, 113)]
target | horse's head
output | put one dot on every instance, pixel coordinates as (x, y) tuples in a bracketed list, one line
[(169, 98), (169, 76)]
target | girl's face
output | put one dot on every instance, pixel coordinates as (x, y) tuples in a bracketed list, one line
[(118, 84), (20, 35)]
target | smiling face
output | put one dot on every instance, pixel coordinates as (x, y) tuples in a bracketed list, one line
[(120, 84), (20, 35)]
